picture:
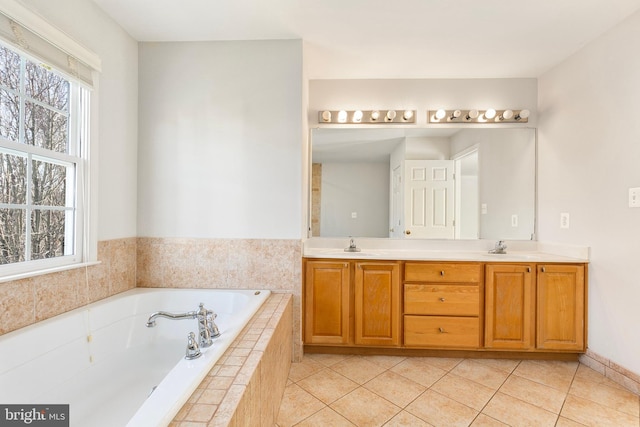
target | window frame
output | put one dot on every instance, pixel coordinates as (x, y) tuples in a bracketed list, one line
[(78, 141)]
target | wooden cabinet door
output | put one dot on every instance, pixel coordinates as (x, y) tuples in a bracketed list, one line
[(377, 303), (509, 306), (326, 304), (561, 307)]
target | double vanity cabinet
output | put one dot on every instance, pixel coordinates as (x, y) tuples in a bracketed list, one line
[(533, 307)]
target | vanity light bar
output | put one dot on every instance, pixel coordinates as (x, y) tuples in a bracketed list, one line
[(367, 116), (477, 116)]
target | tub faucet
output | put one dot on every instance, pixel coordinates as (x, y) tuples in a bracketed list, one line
[(501, 248), (207, 329)]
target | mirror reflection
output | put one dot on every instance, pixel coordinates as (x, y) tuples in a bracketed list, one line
[(423, 183)]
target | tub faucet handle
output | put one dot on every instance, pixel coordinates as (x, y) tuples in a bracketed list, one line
[(193, 349)]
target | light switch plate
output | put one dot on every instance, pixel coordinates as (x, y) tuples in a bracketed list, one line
[(514, 220), (354, 215), (634, 197)]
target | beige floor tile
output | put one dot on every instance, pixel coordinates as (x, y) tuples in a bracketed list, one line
[(405, 419), (297, 405), (566, 422), (444, 363), (593, 414), (483, 420), (324, 418), (464, 391), (418, 370), (376, 412), (537, 394), (358, 369), (507, 365), (518, 413), (611, 397), (327, 385), (395, 388), (589, 374), (482, 374), (328, 359), (301, 370), (386, 362), (439, 410), (556, 374)]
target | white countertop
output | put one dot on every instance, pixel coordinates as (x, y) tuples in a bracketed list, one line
[(435, 255), (530, 252)]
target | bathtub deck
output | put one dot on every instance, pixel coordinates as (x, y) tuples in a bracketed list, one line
[(246, 385)]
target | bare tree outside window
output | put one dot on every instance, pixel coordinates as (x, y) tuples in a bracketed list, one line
[(37, 189)]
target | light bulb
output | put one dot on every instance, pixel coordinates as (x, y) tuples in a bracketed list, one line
[(440, 114), (407, 115), (472, 114), (357, 116), (523, 114), (375, 115), (506, 115), (490, 114), (391, 114), (342, 116), (455, 114), (326, 116)]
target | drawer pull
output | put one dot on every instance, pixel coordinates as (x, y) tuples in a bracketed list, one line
[(441, 330), (441, 299), (442, 272), (528, 269)]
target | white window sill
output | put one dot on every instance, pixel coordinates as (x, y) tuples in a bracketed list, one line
[(28, 274)]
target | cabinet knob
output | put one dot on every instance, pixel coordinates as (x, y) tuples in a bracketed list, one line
[(542, 269), (441, 299), (442, 272), (528, 269), (407, 232), (441, 330)]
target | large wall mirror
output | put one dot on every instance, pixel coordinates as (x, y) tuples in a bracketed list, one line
[(423, 183)]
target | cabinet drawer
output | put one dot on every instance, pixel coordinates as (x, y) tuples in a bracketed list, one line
[(448, 300), (442, 272), (441, 331)]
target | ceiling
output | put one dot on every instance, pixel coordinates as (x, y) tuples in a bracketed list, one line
[(392, 38)]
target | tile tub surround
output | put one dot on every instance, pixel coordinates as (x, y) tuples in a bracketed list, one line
[(27, 301), (245, 387), (273, 264)]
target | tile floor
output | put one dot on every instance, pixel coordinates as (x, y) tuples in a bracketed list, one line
[(339, 390)]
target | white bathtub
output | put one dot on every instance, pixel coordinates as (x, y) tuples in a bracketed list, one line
[(104, 362)]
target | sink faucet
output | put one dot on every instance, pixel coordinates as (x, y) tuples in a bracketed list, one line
[(207, 329), (500, 248), (352, 246)]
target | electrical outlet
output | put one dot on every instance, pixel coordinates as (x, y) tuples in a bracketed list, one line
[(564, 220), (514, 220), (483, 209), (634, 197)]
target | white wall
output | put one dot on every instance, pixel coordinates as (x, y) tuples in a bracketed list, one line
[(220, 141), (589, 156), (114, 110)]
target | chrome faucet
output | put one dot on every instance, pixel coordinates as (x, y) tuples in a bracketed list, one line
[(352, 246), (207, 329), (500, 248)]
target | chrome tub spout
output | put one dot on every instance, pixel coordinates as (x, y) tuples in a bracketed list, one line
[(179, 316)]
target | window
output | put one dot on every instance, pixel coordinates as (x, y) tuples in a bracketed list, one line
[(43, 157)]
